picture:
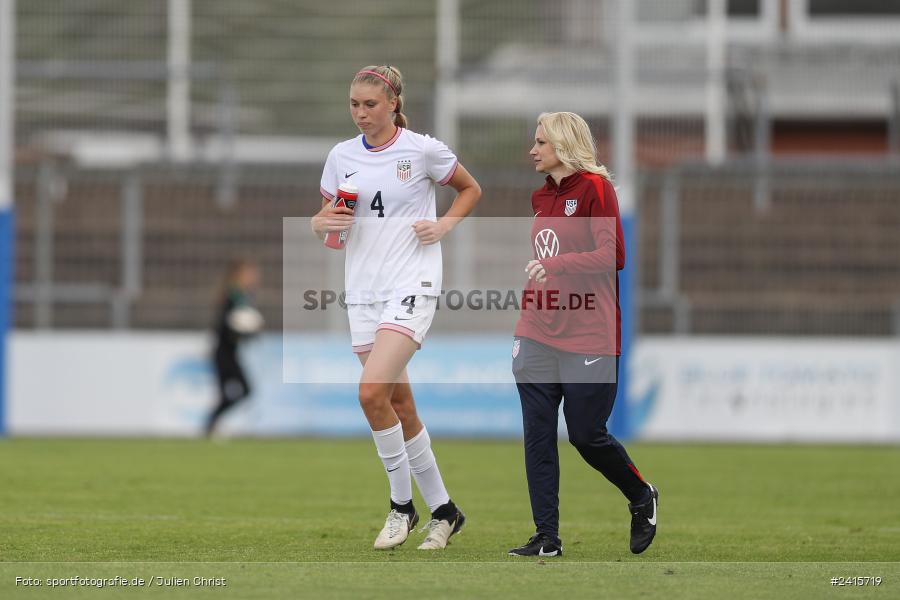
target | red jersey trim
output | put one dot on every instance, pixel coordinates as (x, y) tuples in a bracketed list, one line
[(450, 175), (388, 143), (395, 327), (325, 193)]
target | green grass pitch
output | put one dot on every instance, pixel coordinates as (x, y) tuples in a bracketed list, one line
[(296, 519)]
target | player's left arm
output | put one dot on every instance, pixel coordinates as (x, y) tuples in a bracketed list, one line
[(468, 192)]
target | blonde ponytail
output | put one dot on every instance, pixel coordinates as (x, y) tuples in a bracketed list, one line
[(399, 117)]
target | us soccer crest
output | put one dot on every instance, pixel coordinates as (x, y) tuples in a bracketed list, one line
[(571, 205), (404, 170), (516, 344)]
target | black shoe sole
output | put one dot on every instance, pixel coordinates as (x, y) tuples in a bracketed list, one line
[(558, 554)]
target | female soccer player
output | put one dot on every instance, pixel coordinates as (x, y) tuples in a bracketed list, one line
[(569, 348), (236, 319), (393, 278)]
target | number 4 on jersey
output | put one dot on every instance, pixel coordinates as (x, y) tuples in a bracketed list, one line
[(410, 303), (377, 204)]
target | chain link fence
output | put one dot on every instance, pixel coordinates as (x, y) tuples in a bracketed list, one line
[(114, 230), (814, 252)]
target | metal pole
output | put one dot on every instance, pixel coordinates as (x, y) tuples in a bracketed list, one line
[(7, 100), (446, 120), (132, 250), (446, 126), (896, 318), (637, 293), (7, 225), (681, 316), (178, 106), (226, 187), (669, 248), (715, 89), (894, 119), (762, 146), (44, 247), (623, 116)]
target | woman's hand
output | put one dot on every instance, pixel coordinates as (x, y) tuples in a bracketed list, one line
[(430, 232), (330, 219), (536, 271)]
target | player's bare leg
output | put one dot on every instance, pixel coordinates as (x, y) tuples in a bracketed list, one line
[(403, 403), (381, 370), (447, 519)]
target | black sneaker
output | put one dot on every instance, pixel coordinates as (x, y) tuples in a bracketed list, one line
[(540, 544), (643, 522)]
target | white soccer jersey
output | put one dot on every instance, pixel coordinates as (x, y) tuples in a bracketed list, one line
[(385, 259)]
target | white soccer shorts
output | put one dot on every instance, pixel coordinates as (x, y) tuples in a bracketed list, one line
[(411, 316)]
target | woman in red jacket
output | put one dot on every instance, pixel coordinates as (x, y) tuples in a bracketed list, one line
[(568, 337)]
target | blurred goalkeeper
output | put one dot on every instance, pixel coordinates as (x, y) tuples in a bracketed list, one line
[(236, 320)]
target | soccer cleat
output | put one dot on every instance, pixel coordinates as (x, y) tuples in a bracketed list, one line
[(540, 544), (441, 530), (396, 529), (643, 522)]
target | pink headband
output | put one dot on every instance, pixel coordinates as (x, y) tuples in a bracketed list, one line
[(381, 77)]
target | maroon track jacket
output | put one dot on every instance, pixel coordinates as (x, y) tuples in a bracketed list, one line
[(577, 236)]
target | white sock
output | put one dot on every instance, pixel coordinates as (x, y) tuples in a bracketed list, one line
[(392, 452), (425, 470)]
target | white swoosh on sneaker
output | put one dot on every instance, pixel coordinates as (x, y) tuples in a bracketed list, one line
[(542, 553), (590, 362), (652, 520)]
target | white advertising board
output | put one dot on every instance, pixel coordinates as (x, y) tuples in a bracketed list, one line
[(101, 383), (765, 389), (106, 384), (685, 389)]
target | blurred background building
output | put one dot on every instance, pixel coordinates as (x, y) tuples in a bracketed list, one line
[(756, 144)]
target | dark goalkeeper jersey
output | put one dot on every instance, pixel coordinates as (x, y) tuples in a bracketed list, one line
[(227, 339), (577, 236)]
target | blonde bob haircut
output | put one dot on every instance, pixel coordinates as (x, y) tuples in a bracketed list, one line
[(572, 140)]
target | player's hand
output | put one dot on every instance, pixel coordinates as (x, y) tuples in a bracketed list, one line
[(331, 218), (536, 271), (429, 232)]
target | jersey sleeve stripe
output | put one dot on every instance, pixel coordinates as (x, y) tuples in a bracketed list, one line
[(364, 348), (325, 193), (599, 182), (450, 175)]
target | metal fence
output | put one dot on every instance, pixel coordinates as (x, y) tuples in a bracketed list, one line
[(157, 139), (791, 248)]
